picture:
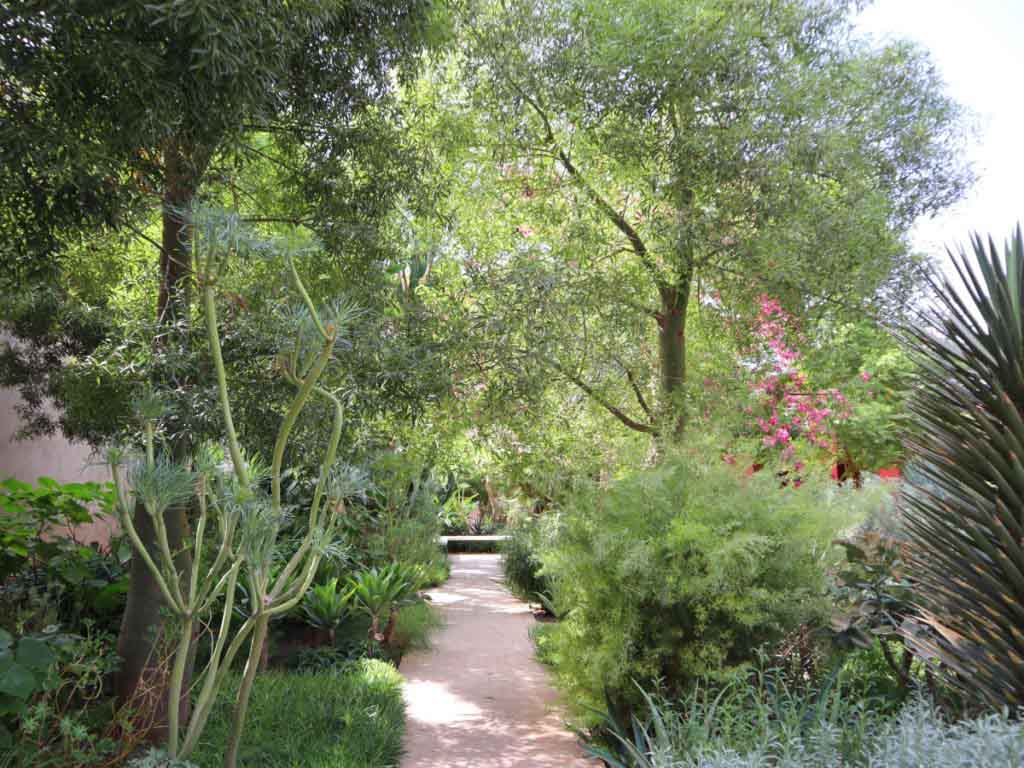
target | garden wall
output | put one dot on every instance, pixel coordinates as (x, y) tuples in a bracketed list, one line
[(52, 456)]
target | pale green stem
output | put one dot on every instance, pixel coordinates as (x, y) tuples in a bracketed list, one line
[(207, 693), (197, 555), (241, 471), (305, 298), (210, 592), (314, 510), (223, 667), (174, 695), (140, 549), (227, 533), (290, 418), (168, 557), (297, 592), (150, 449), (245, 689)]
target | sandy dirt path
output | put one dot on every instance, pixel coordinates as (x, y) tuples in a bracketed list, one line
[(478, 698)]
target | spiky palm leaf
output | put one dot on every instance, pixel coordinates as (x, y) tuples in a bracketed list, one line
[(965, 511)]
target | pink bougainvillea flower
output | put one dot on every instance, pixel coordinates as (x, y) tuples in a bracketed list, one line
[(865, 375)]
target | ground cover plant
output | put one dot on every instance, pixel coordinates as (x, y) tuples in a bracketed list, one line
[(351, 717), (748, 726)]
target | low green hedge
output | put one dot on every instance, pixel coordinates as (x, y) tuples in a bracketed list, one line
[(349, 719), (474, 546)]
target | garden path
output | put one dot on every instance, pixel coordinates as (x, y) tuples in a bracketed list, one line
[(478, 698)]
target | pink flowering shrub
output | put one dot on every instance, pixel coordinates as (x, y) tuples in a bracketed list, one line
[(787, 412)]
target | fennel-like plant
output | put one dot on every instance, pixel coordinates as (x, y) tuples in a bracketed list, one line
[(232, 494)]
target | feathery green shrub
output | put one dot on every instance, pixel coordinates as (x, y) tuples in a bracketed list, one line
[(521, 562), (684, 571)]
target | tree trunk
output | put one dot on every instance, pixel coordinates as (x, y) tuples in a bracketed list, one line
[(672, 352), (142, 679)]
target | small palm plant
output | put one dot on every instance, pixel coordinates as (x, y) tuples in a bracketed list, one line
[(325, 606), (380, 593), (965, 508)]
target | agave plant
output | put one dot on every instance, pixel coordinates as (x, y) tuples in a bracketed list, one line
[(964, 509), (639, 744)]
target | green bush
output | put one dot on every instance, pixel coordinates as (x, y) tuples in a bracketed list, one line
[(683, 571), (55, 708), (521, 562), (353, 718), (54, 579), (414, 625)]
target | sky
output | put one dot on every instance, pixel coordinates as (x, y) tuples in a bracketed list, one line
[(978, 46)]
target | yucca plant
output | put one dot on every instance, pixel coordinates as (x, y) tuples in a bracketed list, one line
[(964, 506)]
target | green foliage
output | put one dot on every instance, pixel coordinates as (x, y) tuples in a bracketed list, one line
[(520, 560), (456, 511), (27, 669), (683, 571), (353, 718), (325, 605), (414, 626), (380, 593), (962, 506), (620, 202), (72, 722), (50, 507), (771, 727), (404, 517), (158, 758), (873, 587), (325, 658)]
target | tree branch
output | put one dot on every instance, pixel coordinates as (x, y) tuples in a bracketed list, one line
[(144, 236), (618, 220), (618, 413), (636, 389)]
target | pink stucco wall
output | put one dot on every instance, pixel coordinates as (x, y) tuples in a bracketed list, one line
[(54, 457)]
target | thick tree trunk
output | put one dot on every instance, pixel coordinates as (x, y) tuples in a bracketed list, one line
[(142, 679)]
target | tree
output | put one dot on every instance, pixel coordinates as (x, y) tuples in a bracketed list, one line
[(722, 146), (134, 107)]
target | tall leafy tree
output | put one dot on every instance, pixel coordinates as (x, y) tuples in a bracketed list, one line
[(706, 150), (112, 112)]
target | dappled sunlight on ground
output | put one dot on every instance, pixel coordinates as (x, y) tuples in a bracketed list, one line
[(479, 699), (434, 703)]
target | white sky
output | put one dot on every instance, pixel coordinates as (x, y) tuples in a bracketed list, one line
[(979, 47)]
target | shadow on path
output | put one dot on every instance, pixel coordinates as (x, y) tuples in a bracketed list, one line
[(478, 698)]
